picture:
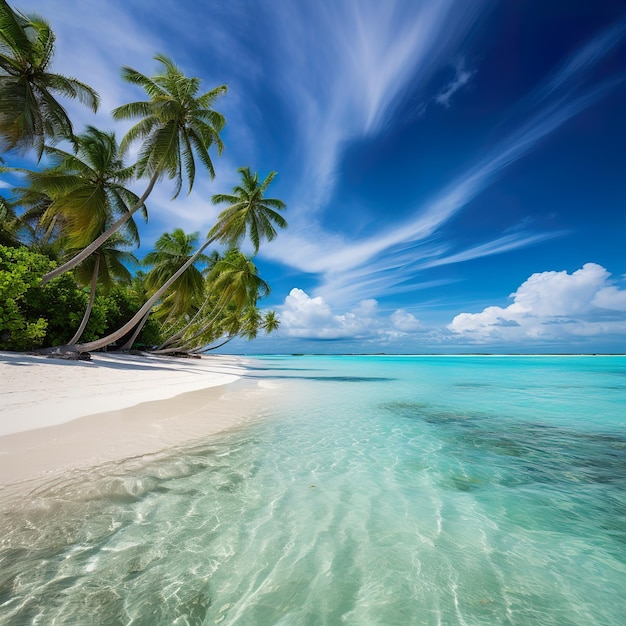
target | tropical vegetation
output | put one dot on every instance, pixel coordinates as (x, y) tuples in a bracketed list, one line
[(68, 273)]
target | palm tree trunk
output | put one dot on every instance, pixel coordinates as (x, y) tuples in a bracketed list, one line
[(219, 345), (197, 334), (92, 297), (48, 233), (129, 344), (179, 335), (118, 334), (94, 245)]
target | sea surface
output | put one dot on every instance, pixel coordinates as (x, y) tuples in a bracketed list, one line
[(373, 490)]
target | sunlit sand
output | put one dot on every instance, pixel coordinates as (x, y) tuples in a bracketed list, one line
[(57, 416)]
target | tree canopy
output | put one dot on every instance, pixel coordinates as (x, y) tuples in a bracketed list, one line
[(67, 273)]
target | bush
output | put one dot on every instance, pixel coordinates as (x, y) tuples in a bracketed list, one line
[(35, 316), (20, 271), (32, 315)]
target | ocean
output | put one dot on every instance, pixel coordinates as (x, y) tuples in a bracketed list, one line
[(367, 490)]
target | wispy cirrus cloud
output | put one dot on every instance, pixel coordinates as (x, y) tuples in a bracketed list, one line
[(346, 65), (461, 78), (380, 264), (391, 261), (583, 60)]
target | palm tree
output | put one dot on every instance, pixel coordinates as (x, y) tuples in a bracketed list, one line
[(236, 281), (171, 251), (29, 112), (235, 324), (85, 190), (103, 267), (44, 238), (270, 322), (247, 327), (248, 214), (176, 124), (8, 223)]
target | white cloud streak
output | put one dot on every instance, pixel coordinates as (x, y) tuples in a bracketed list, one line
[(583, 60), (348, 64), (461, 78), (381, 264)]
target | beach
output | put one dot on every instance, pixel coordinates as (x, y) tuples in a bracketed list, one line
[(58, 416)]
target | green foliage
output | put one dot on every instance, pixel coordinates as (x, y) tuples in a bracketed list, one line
[(249, 212), (175, 124), (80, 199), (171, 251), (61, 303), (20, 271), (85, 190), (29, 112)]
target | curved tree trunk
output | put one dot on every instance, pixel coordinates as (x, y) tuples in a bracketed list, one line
[(180, 334), (219, 345), (48, 233), (118, 334), (129, 344), (92, 297), (94, 245)]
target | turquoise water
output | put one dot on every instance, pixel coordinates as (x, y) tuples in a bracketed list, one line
[(371, 490)]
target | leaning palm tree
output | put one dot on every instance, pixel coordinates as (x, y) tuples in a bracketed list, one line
[(176, 124), (171, 251), (246, 327), (104, 267), (176, 330), (234, 324), (86, 190), (236, 281), (29, 111), (251, 211)]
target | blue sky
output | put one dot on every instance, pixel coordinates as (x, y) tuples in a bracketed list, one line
[(455, 171)]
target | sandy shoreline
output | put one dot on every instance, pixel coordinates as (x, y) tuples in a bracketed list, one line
[(60, 416)]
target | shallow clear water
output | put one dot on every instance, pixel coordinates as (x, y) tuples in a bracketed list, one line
[(372, 490)]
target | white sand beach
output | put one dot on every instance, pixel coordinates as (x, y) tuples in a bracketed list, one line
[(57, 416)]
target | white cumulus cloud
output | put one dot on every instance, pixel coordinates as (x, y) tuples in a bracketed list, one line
[(404, 321), (550, 306), (309, 317)]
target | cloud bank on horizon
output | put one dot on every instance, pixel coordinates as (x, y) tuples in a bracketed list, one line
[(548, 308), (399, 130)]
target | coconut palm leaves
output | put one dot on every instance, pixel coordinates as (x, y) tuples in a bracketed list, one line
[(176, 124), (86, 190), (171, 251), (235, 286), (249, 213), (233, 289), (231, 226), (29, 111)]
